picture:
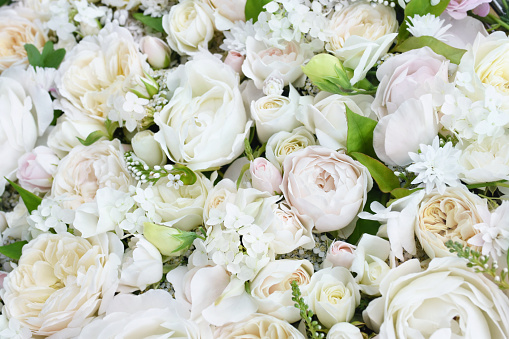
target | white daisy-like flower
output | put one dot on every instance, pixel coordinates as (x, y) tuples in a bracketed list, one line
[(134, 104), (493, 234), (174, 180), (436, 166), (428, 25)]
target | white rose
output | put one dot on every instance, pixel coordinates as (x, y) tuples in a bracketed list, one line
[(485, 161), (180, 207), (88, 76), (452, 301), (282, 144), (448, 216), (189, 26), (142, 265), (148, 149), (362, 33), (272, 290), (369, 263), (151, 314), (263, 61), (275, 113), (226, 12), (18, 26), (204, 124), (325, 116), (222, 193), (328, 186), (332, 294), (62, 282), (344, 331), (259, 326), (88, 168), (290, 230)]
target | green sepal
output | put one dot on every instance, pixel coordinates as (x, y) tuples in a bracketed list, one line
[(31, 200)]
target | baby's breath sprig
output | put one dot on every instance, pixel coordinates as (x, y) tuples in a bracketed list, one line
[(178, 175), (480, 263), (313, 328)]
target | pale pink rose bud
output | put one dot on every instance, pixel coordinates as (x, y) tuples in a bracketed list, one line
[(265, 176), (158, 52), (235, 61), (36, 169), (340, 253)]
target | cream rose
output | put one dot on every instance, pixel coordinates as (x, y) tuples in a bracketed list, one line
[(328, 186), (151, 314), (448, 216), (344, 331), (88, 76), (180, 207), (452, 301), (205, 123), (62, 282), (325, 116), (332, 295), (18, 26), (259, 326), (226, 12), (222, 193), (263, 61), (88, 168), (189, 26), (275, 113), (282, 144), (490, 60), (290, 230), (272, 290), (362, 33)]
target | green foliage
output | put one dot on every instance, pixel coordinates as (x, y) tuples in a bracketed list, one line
[(420, 7), (254, 8), (56, 114), (49, 57), (313, 328), (5, 2), (384, 177), (13, 250), (31, 200), (367, 226), (439, 47), (399, 193), (154, 23), (111, 127), (360, 133)]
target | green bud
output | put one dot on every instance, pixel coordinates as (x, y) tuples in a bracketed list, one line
[(165, 238), (325, 69)]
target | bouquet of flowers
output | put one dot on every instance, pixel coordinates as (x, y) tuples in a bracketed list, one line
[(254, 169)]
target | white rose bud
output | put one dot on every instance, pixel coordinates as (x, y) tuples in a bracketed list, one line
[(344, 330), (265, 176), (340, 253), (35, 169), (148, 149), (157, 51), (163, 238), (234, 60)]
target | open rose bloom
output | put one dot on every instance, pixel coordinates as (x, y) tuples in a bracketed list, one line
[(285, 169)]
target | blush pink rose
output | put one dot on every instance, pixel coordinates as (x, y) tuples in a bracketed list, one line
[(402, 76), (458, 8), (36, 169), (265, 176), (340, 253), (234, 60)]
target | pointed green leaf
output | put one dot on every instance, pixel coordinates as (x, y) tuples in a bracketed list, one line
[(13, 250), (254, 8), (399, 193), (154, 23), (188, 177), (360, 133), (384, 177), (31, 200), (186, 239), (34, 57), (439, 47), (55, 58), (92, 137)]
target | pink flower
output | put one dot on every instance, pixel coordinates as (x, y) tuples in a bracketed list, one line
[(36, 169), (234, 60), (340, 253), (265, 176), (458, 8)]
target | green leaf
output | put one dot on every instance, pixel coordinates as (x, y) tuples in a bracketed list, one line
[(487, 184), (398, 193), (420, 7), (242, 171), (248, 150), (154, 23), (360, 133), (56, 114), (31, 200), (384, 177), (439, 47), (111, 127), (34, 57), (13, 250), (254, 8), (92, 137), (186, 239), (188, 176), (5, 2)]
